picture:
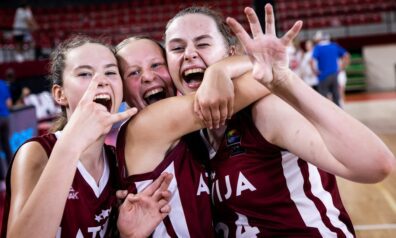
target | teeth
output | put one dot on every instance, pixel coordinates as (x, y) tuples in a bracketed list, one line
[(192, 71), (102, 96), (152, 92)]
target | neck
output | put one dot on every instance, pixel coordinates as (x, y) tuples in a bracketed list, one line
[(94, 152), (215, 136), (92, 159)]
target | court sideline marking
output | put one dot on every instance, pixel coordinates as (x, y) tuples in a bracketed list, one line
[(368, 227)]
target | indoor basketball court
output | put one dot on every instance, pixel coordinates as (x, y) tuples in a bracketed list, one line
[(365, 28)]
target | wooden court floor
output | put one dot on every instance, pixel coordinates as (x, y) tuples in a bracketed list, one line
[(372, 207)]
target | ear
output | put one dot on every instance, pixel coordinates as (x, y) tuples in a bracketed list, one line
[(232, 50), (59, 95)]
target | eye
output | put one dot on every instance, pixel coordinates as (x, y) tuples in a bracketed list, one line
[(177, 49), (84, 74), (134, 73), (108, 73), (156, 65), (202, 45)]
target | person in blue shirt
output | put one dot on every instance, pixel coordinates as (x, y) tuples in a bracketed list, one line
[(5, 105), (327, 54)]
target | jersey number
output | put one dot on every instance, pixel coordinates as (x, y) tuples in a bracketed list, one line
[(243, 229)]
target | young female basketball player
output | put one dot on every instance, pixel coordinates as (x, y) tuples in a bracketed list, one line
[(153, 141), (256, 180), (63, 184)]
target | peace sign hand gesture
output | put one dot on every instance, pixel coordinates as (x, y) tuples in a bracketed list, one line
[(266, 51)]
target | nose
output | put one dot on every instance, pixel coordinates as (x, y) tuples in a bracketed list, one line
[(148, 76), (103, 81), (190, 53)]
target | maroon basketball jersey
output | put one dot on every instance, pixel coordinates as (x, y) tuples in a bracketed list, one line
[(190, 214), (88, 206), (261, 190)]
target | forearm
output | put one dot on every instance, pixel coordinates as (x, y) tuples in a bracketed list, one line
[(349, 141), (247, 91), (177, 115), (233, 66)]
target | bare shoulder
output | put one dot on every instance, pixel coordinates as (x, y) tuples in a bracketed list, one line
[(267, 107), (30, 158), (270, 115)]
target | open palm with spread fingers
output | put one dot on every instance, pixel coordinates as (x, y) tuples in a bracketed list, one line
[(266, 51)]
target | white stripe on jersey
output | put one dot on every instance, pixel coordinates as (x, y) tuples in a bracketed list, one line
[(308, 211), (176, 215), (332, 212), (96, 188)]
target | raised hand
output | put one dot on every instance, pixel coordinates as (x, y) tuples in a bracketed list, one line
[(214, 99), (92, 120), (140, 214), (266, 51)]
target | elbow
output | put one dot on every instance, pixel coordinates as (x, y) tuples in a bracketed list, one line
[(389, 165), (383, 167)]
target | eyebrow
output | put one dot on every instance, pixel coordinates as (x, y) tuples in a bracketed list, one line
[(202, 37), (111, 65), (90, 67), (150, 60), (198, 38)]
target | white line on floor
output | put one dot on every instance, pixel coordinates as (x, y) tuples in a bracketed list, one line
[(375, 227)]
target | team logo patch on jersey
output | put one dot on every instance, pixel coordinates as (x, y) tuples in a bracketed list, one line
[(103, 215), (233, 138), (73, 194)]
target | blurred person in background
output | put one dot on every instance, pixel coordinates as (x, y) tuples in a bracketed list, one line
[(24, 25), (327, 54), (342, 79), (5, 105), (17, 88), (305, 70), (295, 55)]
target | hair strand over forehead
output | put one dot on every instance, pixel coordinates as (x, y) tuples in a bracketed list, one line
[(218, 18), (128, 40)]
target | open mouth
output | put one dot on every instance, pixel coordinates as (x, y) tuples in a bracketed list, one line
[(193, 77), (154, 95), (105, 100)]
